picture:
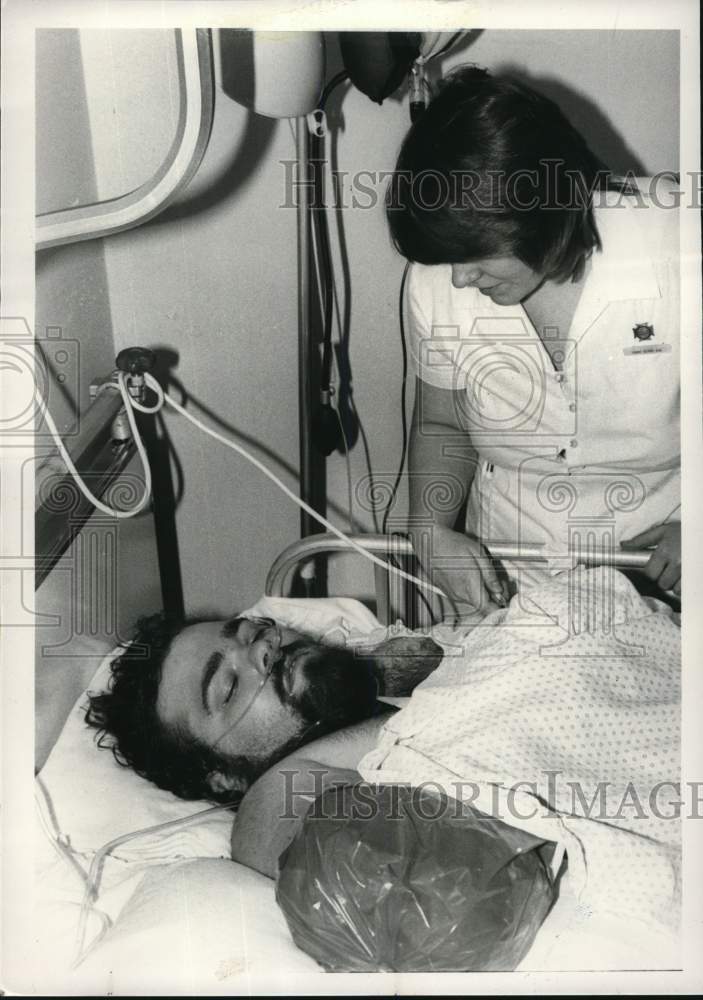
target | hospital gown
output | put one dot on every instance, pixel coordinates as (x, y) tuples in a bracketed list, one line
[(560, 714)]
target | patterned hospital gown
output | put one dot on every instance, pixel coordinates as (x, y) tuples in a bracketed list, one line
[(561, 716)]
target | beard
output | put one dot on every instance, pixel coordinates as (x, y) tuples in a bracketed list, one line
[(327, 686)]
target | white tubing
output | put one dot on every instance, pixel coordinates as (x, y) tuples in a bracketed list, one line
[(151, 382), (163, 397), (129, 403), (92, 885)]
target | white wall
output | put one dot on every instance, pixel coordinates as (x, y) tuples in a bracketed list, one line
[(131, 77), (620, 88), (214, 281), (82, 608)]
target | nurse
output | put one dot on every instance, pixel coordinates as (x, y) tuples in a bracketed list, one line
[(543, 318)]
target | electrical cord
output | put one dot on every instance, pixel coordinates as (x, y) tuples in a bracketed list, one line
[(335, 408), (329, 87), (162, 398), (289, 493), (323, 267), (322, 243), (403, 394), (404, 424), (348, 464), (129, 402), (323, 256)]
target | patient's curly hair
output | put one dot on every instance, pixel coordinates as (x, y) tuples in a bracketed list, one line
[(128, 724)]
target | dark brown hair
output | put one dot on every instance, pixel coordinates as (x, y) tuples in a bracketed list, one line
[(494, 169), (127, 722)]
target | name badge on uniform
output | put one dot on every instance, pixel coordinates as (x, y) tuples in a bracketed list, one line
[(644, 332)]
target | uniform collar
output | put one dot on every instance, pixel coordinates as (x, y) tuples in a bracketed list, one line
[(622, 269)]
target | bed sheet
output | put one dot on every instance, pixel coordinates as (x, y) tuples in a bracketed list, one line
[(212, 927)]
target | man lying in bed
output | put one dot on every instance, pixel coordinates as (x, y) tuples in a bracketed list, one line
[(569, 690), (203, 708)]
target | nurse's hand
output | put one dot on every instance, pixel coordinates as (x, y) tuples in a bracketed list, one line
[(468, 576), (664, 566)]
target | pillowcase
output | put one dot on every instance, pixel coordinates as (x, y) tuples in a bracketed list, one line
[(198, 927), (95, 800)]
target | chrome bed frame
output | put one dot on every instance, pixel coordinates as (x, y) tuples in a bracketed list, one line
[(398, 550)]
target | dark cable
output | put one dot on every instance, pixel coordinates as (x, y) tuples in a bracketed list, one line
[(325, 429), (403, 393), (404, 423), (337, 79), (320, 220)]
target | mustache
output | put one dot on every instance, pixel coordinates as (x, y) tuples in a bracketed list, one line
[(287, 655), (338, 686)]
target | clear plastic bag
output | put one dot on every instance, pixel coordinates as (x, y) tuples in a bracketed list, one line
[(393, 878)]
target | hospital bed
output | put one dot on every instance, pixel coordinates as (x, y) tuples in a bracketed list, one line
[(135, 891), (167, 911)]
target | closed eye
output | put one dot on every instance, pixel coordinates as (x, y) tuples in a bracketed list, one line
[(232, 689)]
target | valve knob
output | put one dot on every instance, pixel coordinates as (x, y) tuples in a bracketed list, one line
[(135, 360)]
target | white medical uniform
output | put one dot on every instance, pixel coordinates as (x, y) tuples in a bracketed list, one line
[(575, 458)]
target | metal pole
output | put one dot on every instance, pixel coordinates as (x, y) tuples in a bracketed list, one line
[(307, 525), (308, 548)]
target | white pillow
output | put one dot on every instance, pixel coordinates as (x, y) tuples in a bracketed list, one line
[(197, 927), (95, 800)]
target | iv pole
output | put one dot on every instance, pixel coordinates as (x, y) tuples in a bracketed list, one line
[(305, 352)]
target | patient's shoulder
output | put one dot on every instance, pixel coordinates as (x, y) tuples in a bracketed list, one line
[(273, 809), (274, 806), (346, 747)]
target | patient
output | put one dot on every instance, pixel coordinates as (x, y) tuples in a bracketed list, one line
[(204, 708), (587, 694)]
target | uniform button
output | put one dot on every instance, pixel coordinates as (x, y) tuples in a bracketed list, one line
[(560, 377), (572, 407), (573, 443)]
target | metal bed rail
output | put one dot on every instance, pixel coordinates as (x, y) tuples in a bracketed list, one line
[(399, 546)]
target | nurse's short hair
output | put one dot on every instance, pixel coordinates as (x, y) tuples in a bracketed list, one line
[(128, 724), (494, 169)]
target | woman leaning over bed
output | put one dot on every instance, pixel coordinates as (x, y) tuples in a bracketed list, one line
[(543, 315)]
